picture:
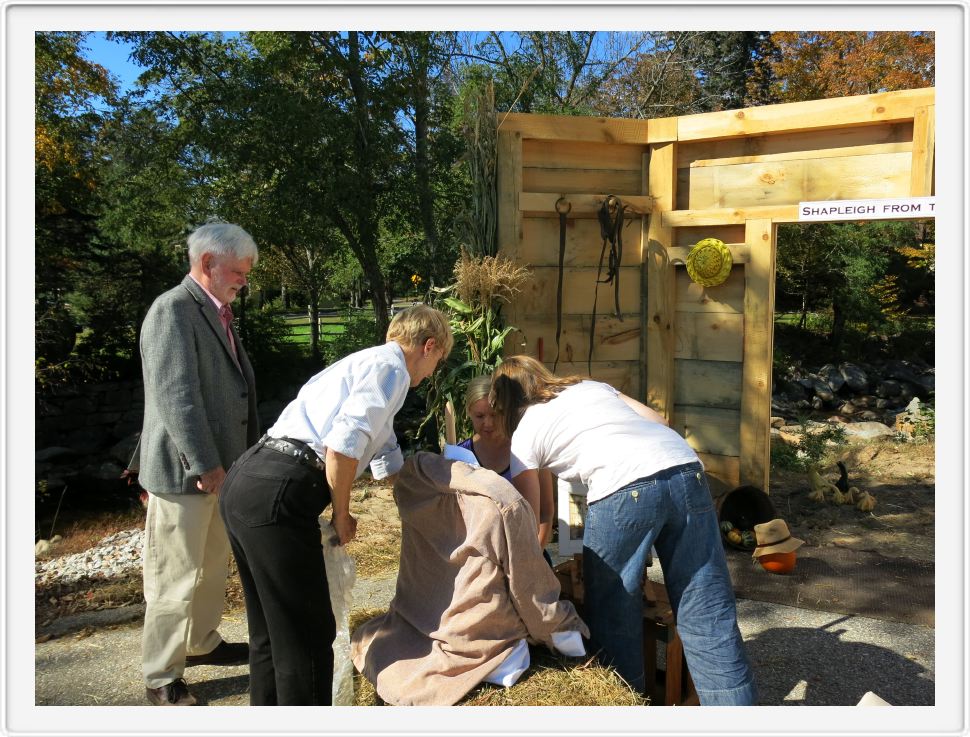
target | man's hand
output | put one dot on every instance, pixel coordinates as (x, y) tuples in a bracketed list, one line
[(211, 481), (346, 527)]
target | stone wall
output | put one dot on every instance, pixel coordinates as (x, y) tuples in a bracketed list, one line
[(85, 435)]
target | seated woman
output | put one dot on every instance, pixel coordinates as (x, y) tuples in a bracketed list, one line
[(493, 449), (489, 444)]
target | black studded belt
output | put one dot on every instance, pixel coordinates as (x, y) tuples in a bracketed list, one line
[(294, 448)]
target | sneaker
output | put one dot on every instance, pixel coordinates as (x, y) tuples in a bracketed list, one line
[(225, 653), (175, 693)]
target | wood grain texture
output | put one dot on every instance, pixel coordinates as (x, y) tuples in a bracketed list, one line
[(543, 204), (545, 154), (842, 112), (839, 141), (575, 128), (726, 297), (709, 336), (540, 242), (538, 296), (708, 383), (609, 181), (661, 291), (730, 216), (759, 306), (708, 429), (802, 180), (615, 340), (924, 152)]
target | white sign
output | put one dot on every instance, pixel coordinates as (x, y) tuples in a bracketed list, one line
[(899, 208)]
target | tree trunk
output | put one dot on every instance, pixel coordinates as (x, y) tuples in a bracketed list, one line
[(313, 312), (838, 325)]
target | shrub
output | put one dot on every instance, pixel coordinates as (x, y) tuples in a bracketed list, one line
[(812, 445)]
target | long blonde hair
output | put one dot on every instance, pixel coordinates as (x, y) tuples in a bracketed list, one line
[(521, 381)]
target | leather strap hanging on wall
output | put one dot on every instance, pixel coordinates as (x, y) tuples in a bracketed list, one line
[(562, 207), (610, 217)]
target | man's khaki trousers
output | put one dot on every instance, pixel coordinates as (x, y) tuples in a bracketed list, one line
[(186, 566)]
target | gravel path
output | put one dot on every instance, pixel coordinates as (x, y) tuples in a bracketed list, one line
[(800, 656)]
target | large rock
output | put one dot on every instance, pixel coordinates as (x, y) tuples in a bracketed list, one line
[(856, 379), (822, 390), (54, 453), (901, 370), (832, 376), (889, 388), (856, 431)]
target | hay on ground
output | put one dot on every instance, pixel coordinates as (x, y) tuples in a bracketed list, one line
[(551, 680)]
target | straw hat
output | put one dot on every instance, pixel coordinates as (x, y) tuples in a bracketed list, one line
[(709, 262), (774, 537)]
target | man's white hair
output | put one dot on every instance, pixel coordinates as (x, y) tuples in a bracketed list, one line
[(222, 239)]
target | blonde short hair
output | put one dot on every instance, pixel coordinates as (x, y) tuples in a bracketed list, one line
[(413, 326)]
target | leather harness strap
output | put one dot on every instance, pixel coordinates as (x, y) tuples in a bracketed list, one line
[(610, 217)]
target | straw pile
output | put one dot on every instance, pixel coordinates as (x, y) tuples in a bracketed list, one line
[(552, 680)]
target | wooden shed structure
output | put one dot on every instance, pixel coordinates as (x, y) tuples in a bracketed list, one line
[(700, 356)]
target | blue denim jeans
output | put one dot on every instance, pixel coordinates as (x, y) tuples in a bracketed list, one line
[(673, 512)]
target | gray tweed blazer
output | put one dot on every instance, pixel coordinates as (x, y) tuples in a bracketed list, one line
[(200, 402)]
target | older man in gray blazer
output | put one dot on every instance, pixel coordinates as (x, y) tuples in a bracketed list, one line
[(200, 415)]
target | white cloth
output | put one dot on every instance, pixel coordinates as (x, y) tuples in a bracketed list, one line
[(588, 434), (518, 661), (350, 407)]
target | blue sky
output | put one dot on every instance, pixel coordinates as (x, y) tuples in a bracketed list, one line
[(113, 56)]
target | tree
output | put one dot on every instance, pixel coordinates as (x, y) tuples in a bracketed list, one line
[(682, 73), (67, 95), (813, 65)]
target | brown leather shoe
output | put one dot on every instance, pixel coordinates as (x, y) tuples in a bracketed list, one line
[(175, 693), (225, 653)]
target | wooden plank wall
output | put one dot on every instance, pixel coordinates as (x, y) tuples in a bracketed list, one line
[(702, 357), (582, 172)]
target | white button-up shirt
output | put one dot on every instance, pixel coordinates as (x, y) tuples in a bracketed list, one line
[(350, 407)]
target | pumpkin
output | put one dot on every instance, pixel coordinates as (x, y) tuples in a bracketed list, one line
[(748, 539), (726, 526), (734, 535), (778, 562)]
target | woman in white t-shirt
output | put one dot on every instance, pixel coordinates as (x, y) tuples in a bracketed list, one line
[(647, 489)]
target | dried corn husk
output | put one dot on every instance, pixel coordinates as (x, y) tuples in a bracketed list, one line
[(866, 503), (818, 495)]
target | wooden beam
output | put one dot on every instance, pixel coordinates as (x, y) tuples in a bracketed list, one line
[(924, 158), (759, 307), (883, 107), (574, 128), (544, 203), (730, 215), (661, 289), (509, 185), (740, 253)]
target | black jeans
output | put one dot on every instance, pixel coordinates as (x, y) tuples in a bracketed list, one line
[(271, 503)]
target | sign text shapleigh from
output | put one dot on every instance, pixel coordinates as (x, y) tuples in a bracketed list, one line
[(885, 209)]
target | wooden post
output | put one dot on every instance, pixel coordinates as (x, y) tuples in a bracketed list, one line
[(924, 143), (661, 291), (759, 309)]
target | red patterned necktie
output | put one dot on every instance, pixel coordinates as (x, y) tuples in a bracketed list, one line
[(225, 314)]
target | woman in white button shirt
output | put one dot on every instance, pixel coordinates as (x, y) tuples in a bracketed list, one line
[(647, 489), (341, 421)]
